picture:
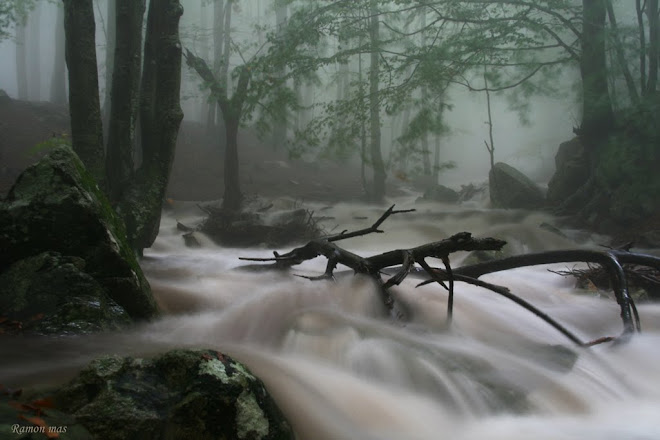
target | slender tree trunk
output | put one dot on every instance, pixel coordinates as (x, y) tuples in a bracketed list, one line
[(226, 46), (280, 126), (86, 128), (374, 107), (642, 47), (232, 111), (125, 96), (436, 159), (232, 196), (34, 53), (160, 118), (21, 59), (218, 43), (597, 116), (490, 147), (58, 81), (621, 56), (110, 45), (426, 152), (654, 45), (206, 54)]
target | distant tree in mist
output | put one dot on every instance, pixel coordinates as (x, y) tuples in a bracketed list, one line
[(259, 81)]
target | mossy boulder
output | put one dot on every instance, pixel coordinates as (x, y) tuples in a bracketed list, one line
[(509, 188), (200, 394), (56, 206), (52, 294)]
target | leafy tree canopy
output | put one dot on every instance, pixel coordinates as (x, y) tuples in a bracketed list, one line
[(12, 11)]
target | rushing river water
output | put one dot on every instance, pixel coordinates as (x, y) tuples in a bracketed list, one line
[(340, 368)]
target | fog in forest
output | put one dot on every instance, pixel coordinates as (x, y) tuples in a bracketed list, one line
[(527, 138)]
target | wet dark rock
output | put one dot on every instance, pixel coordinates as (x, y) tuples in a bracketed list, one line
[(509, 188), (440, 193), (52, 294), (55, 207), (200, 394), (571, 171), (253, 228)]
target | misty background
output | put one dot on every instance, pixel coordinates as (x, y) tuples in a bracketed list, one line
[(526, 139)]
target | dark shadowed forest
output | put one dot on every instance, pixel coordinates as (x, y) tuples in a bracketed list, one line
[(365, 219)]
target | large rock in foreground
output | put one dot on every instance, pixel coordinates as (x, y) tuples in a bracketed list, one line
[(509, 188), (200, 394), (55, 207)]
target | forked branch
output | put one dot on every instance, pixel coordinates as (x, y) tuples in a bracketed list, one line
[(407, 259)]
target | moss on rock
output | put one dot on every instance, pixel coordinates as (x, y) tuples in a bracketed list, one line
[(56, 206), (201, 394), (52, 294)]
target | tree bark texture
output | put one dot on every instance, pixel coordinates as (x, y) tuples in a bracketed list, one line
[(280, 126), (34, 53), (21, 59), (86, 127), (597, 117), (160, 118), (124, 96), (110, 45), (379, 176), (58, 81), (654, 45)]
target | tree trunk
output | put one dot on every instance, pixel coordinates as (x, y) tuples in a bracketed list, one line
[(21, 59), (86, 128), (642, 47), (597, 117), (426, 152), (232, 196), (654, 45), (160, 118), (378, 191), (125, 96), (280, 126), (206, 54), (218, 44), (110, 45), (58, 81), (34, 53), (621, 56), (226, 46)]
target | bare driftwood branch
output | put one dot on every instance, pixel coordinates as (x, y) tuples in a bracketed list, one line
[(406, 259)]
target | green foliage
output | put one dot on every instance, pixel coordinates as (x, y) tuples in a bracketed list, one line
[(50, 144), (11, 12), (628, 163)]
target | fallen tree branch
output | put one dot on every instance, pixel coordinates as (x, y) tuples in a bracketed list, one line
[(406, 259)]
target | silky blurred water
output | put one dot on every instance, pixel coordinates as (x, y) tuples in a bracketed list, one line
[(341, 368)]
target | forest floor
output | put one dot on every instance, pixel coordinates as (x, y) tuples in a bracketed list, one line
[(197, 171)]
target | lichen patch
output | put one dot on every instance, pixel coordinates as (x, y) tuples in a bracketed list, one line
[(250, 419)]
